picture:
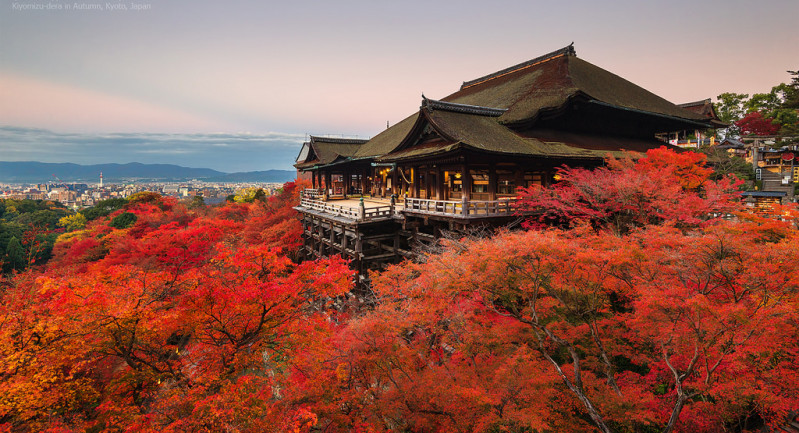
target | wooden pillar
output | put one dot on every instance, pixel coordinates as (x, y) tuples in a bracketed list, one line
[(492, 182), (415, 181), (467, 181), (332, 239), (439, 183), (328, 184), (395, 181), (518, 173), (396, 245), (364, 185), (402, 184)]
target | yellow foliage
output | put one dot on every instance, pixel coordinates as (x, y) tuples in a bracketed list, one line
[(73, 222)]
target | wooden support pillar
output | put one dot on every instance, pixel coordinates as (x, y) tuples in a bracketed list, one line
[(394, 181), (492, 182), (364, 185), (439, 183), (467, 181), (423, 181), (406, 187), (358, 244), (518, 173), (416, 177), (328, 184), (332, 239)]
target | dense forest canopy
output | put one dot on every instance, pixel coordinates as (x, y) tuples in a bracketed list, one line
[(763, 114), (641, 297)]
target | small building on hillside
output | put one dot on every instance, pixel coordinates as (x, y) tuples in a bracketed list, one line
[(697, 137), (458, 161)]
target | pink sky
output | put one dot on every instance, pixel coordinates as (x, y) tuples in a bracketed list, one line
[(347, 67)]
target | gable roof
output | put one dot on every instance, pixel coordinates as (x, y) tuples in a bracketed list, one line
[(387, 140), (550, 81), (705, 108), (326, 150), (443, 127), (498, 112)]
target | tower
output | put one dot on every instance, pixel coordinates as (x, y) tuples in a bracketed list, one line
[(101, 179)]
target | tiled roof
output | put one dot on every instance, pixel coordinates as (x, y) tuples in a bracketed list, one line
[(326, 150), (498, 113), (456, 130), (550, 81)]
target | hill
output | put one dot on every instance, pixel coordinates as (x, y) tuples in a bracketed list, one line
[(257, 176), (29, 171)]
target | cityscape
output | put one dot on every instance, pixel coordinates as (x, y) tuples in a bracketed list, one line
[(81, 195)]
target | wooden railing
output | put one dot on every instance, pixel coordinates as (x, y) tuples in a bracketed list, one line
[(359, 213), (450, 208), (378, 212), (312, 193), (463, 208), (318, 205)]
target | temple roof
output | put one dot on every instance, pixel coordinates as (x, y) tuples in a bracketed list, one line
[(500, 112), (705, 108), (387, 140), (327, 150), (550, 81), (441, 129)]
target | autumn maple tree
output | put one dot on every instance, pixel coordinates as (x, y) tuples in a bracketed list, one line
[(177, 319), (640, 297), (674, 320), (666, 186), (755, 123)]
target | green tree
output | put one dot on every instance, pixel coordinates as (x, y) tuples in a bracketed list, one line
[(103, 208), (723, 164), (792, 96), (123, 220), (197, 202), (730, 109), (779, 105), (730, 106), (15, 255)]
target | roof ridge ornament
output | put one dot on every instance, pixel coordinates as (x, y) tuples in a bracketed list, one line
[(339, 140), (432, 104), (565, 51)]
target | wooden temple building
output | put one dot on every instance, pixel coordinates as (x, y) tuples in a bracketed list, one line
[(458, 161)]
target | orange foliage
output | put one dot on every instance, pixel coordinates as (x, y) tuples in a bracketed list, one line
[(186, 320)]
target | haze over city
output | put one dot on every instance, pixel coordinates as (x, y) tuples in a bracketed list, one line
[(237, 85)]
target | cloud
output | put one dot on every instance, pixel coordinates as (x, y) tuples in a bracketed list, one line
[(228, 152), (29, 101)]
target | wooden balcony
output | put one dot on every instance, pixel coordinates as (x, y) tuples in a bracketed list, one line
[(354, 210), (463, 208), (350, 209)]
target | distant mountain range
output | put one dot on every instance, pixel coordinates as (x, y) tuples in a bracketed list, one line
[(39, 172)]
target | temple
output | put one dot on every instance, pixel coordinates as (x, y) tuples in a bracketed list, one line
[(458, 161)]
